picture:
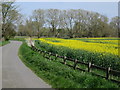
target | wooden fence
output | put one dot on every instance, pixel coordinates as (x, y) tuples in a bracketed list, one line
[(89, 65)]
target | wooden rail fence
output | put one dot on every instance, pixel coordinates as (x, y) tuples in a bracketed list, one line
[(89, 65)]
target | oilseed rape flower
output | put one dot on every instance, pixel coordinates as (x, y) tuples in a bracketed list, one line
[(105, 46)]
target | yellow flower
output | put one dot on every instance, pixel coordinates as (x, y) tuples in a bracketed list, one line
[(96, 46)]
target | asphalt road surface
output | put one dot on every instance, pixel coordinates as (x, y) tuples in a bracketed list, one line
[(14, 73)]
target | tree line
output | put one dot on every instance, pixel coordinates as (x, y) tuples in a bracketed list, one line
[(72, 23)]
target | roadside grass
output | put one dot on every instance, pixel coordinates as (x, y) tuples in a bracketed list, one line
[(58, 75), (17, 39), (2, 43), (63, 51)]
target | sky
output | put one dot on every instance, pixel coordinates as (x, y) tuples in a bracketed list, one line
[(109, 9)]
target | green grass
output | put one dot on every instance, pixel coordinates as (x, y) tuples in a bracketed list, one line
[(17, 39), (20, 38), (2, 43), (59, 75)]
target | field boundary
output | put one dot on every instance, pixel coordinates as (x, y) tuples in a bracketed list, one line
[(89, 65)]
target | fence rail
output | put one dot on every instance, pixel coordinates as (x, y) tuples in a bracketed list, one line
[(89, 65)]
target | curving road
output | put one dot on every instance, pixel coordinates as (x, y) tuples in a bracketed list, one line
[(14, 73)]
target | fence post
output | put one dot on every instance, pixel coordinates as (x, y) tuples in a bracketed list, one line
[(49, 56), (65, 59), (75, 63), (39, 51), (89, 66), (56, 57), (31, 47), (36, 49), (107, 72), (44, 53)]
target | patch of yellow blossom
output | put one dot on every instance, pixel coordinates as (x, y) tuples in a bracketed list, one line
[(87, 46)]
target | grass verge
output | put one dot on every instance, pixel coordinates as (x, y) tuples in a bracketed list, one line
[(59, 75), (17, 39), (2, 43)]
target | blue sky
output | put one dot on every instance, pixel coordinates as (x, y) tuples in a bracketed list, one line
[(109, 9)]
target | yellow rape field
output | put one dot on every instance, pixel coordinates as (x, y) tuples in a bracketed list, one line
[(111, 47), (107, 41)]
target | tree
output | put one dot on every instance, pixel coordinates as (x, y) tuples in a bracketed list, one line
[(115, 25), (21, 30), (39, 20), (52, 17), (11, 32), (70, 16), (98, 26), (81, 23), (29, 27), (63, 24), (9, 17), (0, 21), (68, 24)]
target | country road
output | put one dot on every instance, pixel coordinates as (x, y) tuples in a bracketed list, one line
[(14, 73)]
